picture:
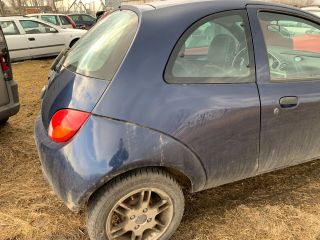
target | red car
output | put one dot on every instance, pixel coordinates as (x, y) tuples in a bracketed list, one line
[(307, 42)]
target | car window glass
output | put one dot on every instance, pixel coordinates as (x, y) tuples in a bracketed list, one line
[(99, 53), (212, 51), (75, 18), (87, 18), (64, 20), (33, 27), (9, 28), (293, 46), (51, 19)]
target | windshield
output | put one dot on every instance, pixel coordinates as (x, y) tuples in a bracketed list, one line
[(99, 53)]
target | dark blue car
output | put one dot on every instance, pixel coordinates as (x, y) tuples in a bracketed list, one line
[(174, 95)]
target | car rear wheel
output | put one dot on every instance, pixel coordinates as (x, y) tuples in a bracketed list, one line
[(144, 204)]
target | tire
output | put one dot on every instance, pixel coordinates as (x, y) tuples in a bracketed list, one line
[(157, 187)]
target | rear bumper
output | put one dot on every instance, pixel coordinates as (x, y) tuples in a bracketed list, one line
[(57, 169), (9, 110), (13, 107)]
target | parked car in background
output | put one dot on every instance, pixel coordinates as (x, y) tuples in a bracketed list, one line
[(313, 9), (293, 34), (130, 117), (61, 20), (29, 37), (9, 98), (82, 20)]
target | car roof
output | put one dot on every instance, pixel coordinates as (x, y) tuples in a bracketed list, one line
[(240, 3), (79, 14), (195, 7), (14, 18), (46, 14)]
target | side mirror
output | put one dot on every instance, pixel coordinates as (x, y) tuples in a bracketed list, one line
[(52, 30), (274, 28)]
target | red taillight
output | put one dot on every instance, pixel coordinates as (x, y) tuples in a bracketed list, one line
[(71, 22), (65, 124), (5, 67)]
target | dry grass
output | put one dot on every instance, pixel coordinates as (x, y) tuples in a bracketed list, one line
[(280, 205)]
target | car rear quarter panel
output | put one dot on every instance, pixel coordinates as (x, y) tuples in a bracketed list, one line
[(105, 148)]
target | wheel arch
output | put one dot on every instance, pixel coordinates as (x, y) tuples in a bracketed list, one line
[(73, 41), (183, 180), (114, 147)]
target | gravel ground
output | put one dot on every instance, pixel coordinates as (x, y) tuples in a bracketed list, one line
[(279, 205)]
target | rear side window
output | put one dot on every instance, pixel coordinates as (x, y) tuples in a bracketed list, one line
[(51, 19), (99, 53), (64, 20), (9, 28), (214, 50)]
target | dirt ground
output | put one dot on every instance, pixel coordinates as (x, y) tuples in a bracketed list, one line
[(280, 205)]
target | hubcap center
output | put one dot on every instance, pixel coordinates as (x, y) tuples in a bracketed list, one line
[(141, 219)]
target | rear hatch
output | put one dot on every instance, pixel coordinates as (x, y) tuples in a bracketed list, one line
[(80, 75), (5, 70)]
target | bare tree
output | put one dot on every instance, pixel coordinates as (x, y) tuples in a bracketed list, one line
[(2, 6), (35, 3), (54, 7), (20, 6), (13, 4)]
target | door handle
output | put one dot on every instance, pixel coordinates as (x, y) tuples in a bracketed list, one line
[(288, 102), (31, 39)]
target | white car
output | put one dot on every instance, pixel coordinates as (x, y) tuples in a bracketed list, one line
[(29, 37), (314, 10), (61, 20)]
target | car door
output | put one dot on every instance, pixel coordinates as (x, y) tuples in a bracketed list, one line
[(16, 40), (220, 117), (43, 40), (287, 57)]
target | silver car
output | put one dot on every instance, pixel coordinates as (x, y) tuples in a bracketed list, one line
[(9, 98)]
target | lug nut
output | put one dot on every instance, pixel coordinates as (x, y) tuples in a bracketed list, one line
[(149, 219), (132, 217), (145, 210), (136, 227)]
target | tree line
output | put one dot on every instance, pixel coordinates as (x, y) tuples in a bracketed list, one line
[(18, 6)]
